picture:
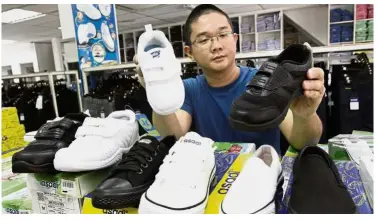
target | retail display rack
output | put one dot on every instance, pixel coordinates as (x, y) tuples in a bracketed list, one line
[(50, 76), (350, 23)]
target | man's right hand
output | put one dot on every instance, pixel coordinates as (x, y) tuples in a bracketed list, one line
[(139, 72)]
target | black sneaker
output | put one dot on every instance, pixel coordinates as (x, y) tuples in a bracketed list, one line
[(317, 187), (133, 175), (267, 99), (38, 156)]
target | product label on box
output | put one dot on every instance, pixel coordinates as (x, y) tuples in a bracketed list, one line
[(68, 187), (49, 203)]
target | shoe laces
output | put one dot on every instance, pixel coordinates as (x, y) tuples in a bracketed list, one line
[(138, 158), (183, 167)]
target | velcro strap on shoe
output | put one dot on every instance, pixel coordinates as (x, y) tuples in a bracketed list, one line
[(100, 131), (270, 77), (55, 130)]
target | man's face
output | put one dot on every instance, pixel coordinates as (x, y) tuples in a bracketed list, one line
[(217, 54)]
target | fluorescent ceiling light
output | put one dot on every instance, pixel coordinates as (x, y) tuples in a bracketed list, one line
[(19, 15), (60, 28), (8, 41)]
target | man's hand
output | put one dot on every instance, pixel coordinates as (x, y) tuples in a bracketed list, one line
[(313, 92), (139, 71)]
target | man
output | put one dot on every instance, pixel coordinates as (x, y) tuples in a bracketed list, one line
[(211, 43)]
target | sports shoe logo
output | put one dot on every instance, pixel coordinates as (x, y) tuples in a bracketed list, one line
[(191, 141), (156, 54)]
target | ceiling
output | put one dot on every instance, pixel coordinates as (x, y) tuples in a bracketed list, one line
[(128, 17)]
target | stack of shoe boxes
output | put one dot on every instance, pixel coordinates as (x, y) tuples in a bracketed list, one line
[(338, 14), (268, 22), (364, 30), (364, 11), (341, 33), (12, 131), (62, 193)]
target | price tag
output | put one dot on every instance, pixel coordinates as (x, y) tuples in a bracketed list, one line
[(354, 104), (68, 187), (102, 114), (39, 102), (22, 117)]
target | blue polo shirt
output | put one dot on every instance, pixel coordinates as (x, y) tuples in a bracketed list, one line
[(210, 109)]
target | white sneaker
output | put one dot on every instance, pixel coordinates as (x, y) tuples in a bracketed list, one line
[(254, 190), (90, 10), (161, 71), (86, 32), (105, 9), (183, 182), (107, 38), (100, 143)]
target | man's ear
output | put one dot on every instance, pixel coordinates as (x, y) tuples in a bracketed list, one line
[(188, 52), (236, 37)]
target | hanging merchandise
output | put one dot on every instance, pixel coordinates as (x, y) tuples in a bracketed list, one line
[(187, 172), (132, 177), (99, 143), (38, 156), (258, 182), (317, 187), (161, 72), (96, 34), (264, 90)]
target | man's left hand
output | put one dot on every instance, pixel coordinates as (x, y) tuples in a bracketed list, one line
[(313, 92)]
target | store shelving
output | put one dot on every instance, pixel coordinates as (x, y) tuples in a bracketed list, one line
[(342, 22)]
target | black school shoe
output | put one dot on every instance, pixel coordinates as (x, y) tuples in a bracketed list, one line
[(317, 187), (267, 99), (132, 177), (38, 156)]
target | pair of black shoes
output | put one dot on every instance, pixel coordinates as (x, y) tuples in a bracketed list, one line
[(129, 179), (38, 156)]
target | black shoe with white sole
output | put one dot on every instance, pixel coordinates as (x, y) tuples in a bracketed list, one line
[(133, 175), (268, 96)]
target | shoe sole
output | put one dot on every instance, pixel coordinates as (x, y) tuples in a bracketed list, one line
[(241, 125), (269, 208), (148, 206), (64, 164), (25, 167), (118, 200)]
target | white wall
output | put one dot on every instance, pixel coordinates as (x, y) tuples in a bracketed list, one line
[(18, 53), (70, 52), (314, 20), (66, 21), (45, 57)]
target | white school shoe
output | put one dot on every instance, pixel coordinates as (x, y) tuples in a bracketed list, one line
[(90, 10), (107, 38), (100, 143), (86, 32), (183, 182), (105, 9), (253, 192), (161, 71)]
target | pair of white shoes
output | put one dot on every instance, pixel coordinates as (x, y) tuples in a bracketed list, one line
[(183, 182), (92, 12), (99, 143)]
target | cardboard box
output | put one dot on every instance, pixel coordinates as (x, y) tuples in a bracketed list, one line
[(230, 158), (62, 193), (18, 202)]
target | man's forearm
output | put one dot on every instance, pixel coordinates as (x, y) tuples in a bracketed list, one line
[(306, 131), (167, 125)]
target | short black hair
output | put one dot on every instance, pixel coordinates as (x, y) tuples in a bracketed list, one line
[(198, 12)]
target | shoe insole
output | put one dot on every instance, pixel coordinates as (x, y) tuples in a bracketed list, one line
[(317, 189)]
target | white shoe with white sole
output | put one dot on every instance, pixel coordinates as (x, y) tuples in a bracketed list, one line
[(253, 192), (100, 143), (90, 10), (161, 72), (183, 182), (107, 38)]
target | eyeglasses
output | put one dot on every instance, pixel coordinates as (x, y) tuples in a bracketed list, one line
[(205, 42)]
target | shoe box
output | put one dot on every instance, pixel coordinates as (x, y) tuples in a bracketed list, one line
[(16, 198), (12, 132), (230, 158), (349, 174), (337, 147), (62, 193)]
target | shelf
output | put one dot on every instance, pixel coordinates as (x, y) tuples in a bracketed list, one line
[(364, 41), (341, 43), (272, 31), (252, 33), (365, 19), (342, 22)]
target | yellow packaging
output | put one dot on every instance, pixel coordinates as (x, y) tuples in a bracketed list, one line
[(89, 209), (218, 194), (9, 117), (13, 138)]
